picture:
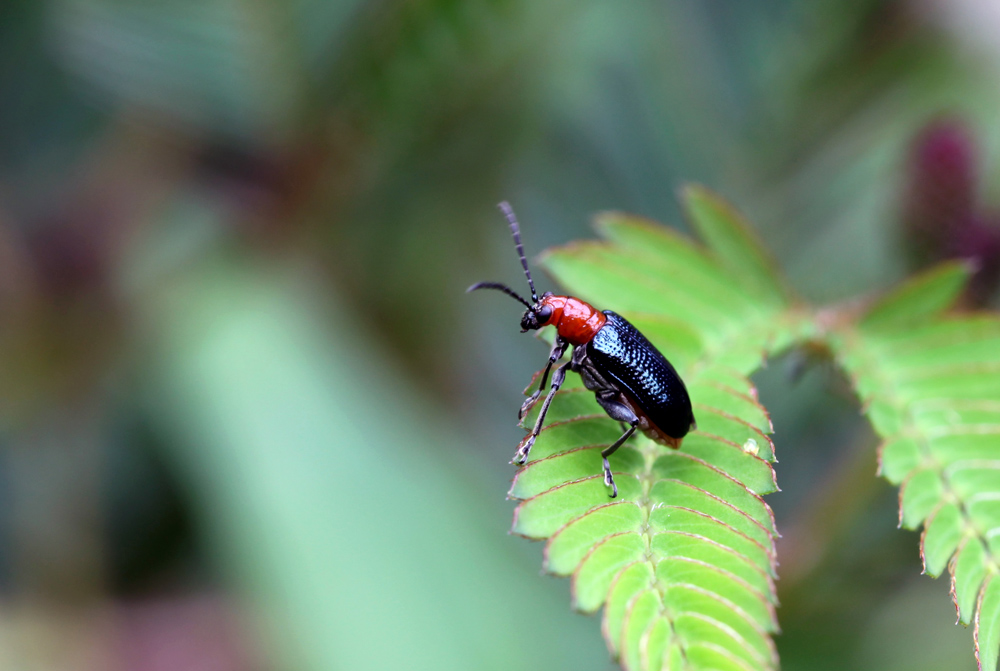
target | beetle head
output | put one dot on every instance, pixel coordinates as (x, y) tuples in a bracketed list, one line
[(536, 316)]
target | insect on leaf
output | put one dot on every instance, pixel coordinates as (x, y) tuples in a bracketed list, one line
[(682, 561)]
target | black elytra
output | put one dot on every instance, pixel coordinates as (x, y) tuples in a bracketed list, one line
[(643, 373)]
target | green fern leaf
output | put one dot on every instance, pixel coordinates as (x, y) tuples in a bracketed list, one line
[(930, 384), (683, 560), (731, 240)]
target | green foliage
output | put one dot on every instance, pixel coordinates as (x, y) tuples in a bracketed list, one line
[(683, 561), (930, 383)]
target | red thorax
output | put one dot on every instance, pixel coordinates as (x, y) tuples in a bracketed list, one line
[(575, 320)]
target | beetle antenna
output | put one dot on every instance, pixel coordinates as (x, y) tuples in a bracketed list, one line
[(516, 230), (500, 287)]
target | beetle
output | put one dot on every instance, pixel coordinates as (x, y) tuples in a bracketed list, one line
[(631, 379)]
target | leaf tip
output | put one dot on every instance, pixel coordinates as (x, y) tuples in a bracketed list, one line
[(924, 295)]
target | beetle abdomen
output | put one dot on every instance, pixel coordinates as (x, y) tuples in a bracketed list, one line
[(623, 353)]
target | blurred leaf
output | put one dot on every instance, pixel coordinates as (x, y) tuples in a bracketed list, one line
[(731, 240), (333, 497), (244, 71), (921, 297), (988, 623)]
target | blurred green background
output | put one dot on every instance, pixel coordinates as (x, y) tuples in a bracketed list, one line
[(250, 421)]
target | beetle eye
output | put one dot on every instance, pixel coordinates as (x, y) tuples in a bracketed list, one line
[(544, 314)]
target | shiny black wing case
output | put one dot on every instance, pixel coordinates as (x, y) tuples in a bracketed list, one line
[(620, 352)]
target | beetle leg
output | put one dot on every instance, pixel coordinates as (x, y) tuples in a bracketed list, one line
[(558, 349), (609, 480), (558, 378), (608, 399)]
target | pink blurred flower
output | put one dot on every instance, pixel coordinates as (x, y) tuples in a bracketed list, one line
[(942, 214)]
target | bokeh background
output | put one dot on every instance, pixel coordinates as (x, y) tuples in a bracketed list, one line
[(249, 421)]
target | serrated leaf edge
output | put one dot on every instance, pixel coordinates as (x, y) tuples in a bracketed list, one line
[(850, 339)]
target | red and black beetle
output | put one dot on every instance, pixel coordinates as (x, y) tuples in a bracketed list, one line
[(633, 382)]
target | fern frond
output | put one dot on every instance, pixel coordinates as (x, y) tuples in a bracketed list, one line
[(930, 384), (683, 560)]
